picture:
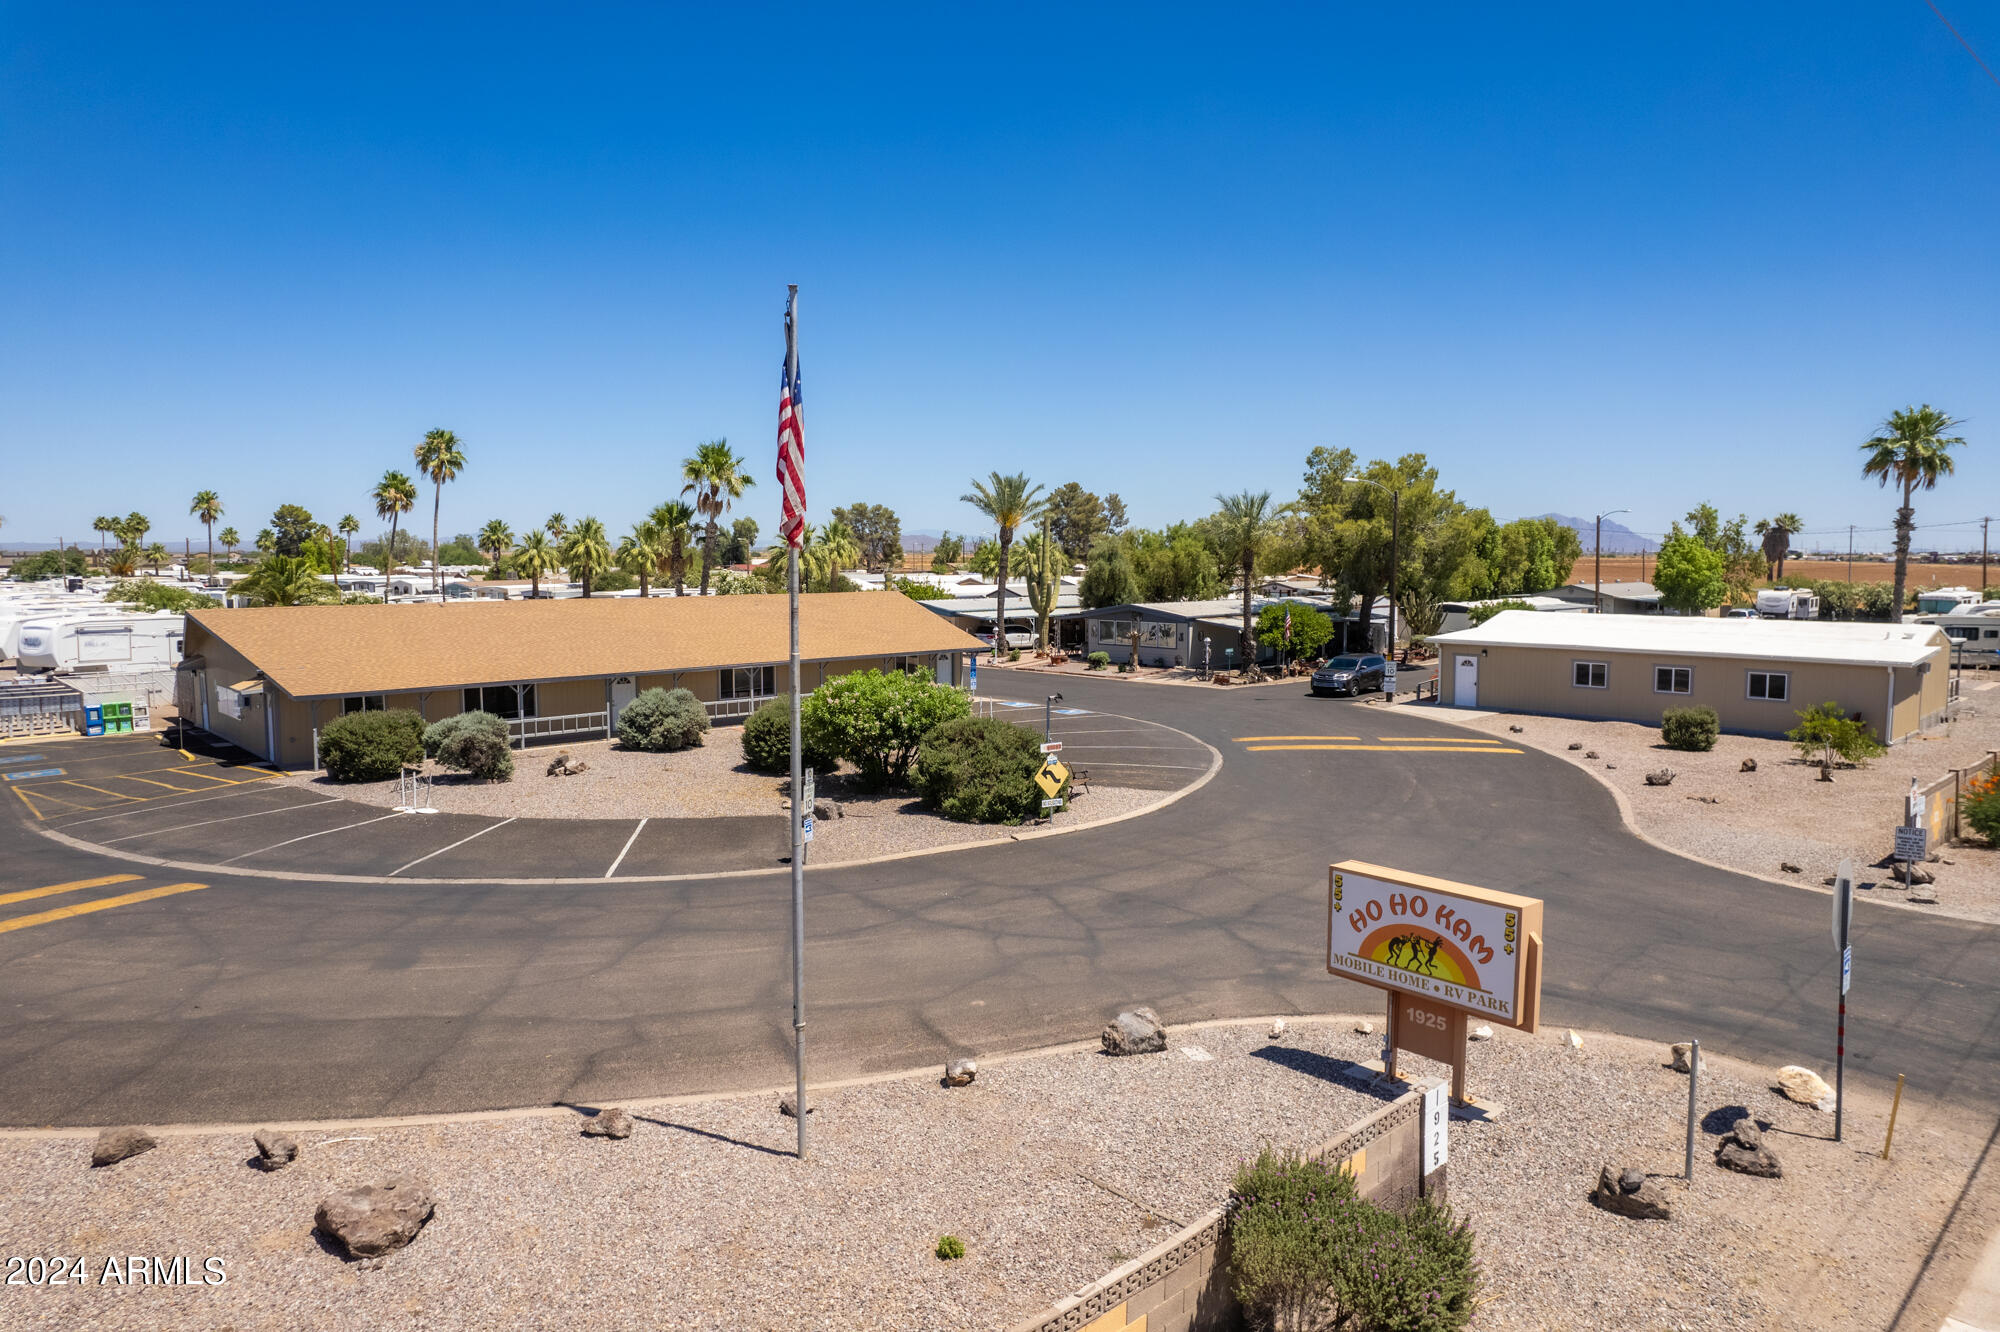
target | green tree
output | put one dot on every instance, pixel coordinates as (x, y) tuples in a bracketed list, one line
[(495, 540), (916, 591), (133, 527), (1009, 501), (441, 458), (985, 559), (286, 580), (587, 553), (1240, 528), (146, 594), (230, 539), (1913, 451), (1689, 575), (293, 528), (716, 476), (206, 508), (394, 495), (878, 532), (557, 526), (1480, 614), (266, 541), (348, 526), (674, 521), (1776, 534), (104, 527), (741, 543), (537, 558), (1178, 564), (1108, 579), (1528, 555), (156, 555), (639, 555), (1311, 630), (828, 550), (1825, 730), (1076, 517), (1114, 513), (876, 721), (948, 552)]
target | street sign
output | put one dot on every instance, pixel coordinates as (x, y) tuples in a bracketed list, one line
[(1052, 804), (806, 828), (972, 679), (811, 799), (1051, 777), (1911, 843), (1052, 747), (1468, 948), (1437, 1129), (1846, 967), (1843, 902)]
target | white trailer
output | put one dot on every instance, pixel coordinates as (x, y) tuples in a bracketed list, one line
[(102, 643), (1974, 633), (1787, 603)]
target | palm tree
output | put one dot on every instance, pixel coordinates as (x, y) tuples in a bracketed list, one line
[(557, 526), (207, 507), (587, 552), (1914, 451), (348, 526), (283, 580), (716, 477), (537, 556), (124, 561), (1009, 501), (230, 536), (441, 459), (828, 550), (156, 555), (674, 521), (133, 527), (394, 495), (1240, 528), (104, 527), (639, 554), (1778, 533), (496, 539), (267, 541)]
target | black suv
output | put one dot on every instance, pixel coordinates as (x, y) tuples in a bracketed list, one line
[(1349, 675)]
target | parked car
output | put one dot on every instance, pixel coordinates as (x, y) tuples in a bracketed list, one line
[(1016, 638), (1349, 675), (1739, 613)]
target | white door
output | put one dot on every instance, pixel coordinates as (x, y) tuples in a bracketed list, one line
[(623, 690), (1465, 683)]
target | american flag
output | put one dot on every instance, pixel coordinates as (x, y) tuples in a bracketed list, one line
[(791, 436)]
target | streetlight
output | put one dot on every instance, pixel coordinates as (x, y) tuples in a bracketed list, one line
[(1597, 597), (1048, 713), (1395, 568)]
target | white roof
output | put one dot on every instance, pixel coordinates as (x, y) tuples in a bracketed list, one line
[(1842, 642)]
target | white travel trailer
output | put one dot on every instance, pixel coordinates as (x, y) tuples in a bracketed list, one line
[(1974, 632), (102, 643), (1945, 600), (1787, 603)]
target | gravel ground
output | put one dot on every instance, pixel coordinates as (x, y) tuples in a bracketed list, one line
[(710, 781), (1053, 1169), (1782, 813)]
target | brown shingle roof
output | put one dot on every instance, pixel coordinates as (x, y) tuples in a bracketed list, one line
[(318, 651)]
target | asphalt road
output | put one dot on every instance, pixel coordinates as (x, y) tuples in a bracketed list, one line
[(253, 998)]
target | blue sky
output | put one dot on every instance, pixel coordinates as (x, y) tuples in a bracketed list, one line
[(1585, 257)]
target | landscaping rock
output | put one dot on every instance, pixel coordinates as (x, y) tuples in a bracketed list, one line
[(1682, 1055), (1918, 874), (788, 1106), (1805, 1087), (1135, 1031), (1789, 868), (613, 1122), (1749, 765), (1576, 744), (1660, 777), (1644, 1200), (119, 1144), (1277, 1028), (275, 1150), (1517, 729), (827, 809), (1365, 1028), (1482, 1032), (562, 765), (1574, 1041), (1922, 896), (1590, 754), (960, 1072), (1742, 1149), (376, 1218)]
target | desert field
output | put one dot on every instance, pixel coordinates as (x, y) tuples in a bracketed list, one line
[(1620, 568)]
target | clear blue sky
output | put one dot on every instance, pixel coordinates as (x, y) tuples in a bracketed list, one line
[(1584, 256)]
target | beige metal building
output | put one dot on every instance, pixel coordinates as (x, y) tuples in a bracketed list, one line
[(267, 678), (1756, 674)]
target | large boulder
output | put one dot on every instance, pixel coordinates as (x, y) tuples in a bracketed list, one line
[(375, 1219), (1135, 1031), (118, 1144), (611, 1123), (1804, 1086), (1742, 1149), (275, 1150), (1629, 1193)]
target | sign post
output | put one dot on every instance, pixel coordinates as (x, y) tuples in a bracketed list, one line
[(1446, 952), (1843, 920)]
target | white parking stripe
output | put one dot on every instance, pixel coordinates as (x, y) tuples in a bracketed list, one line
[(167, 802), (627, 847), (453, 847), (307, 838), (203, 823), (1185, 767)]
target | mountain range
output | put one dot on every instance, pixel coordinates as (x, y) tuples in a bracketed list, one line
[(1618, 538)]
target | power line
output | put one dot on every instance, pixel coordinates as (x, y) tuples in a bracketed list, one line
[(1962, 42)]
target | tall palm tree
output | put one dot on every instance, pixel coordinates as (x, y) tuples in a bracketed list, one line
[(537, 556), (1009, 501), (394, 495), (348, 526), (441, 459), (587, 552), (207, 507), (230, 536), (133, 527), (639, 555), (1778, 533), (674, 521), (496, 539), (1240, 529), (104, 527), (716, 477), (267, 541), (828, 550), (156, 555), (1914, 451), (557, 526)]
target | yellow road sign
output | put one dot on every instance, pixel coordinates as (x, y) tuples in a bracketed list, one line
[(1052, 776)]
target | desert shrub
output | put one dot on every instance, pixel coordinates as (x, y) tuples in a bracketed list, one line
[(767, 740), (1013, 654), (371, 746), (439, 733), (1980, 805), (950, 1247), (1124, 667), (481, 753), (1308, 1252), (876, 721), (1479, 615), (1825, 732), (153, 596), (1098, 660), (980, 770), (1690, 728), (662, 720)]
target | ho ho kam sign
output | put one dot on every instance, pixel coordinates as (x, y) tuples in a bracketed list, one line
[(1475, 949)]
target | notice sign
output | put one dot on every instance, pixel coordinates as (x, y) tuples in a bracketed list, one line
[(1473, 949)]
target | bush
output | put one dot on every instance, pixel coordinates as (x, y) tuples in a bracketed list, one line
[(980, 770), (152, 596), (876, 721), (767, 740), (1690, 728), (371, 746), (1825, 730), (661, 721), (1013, 654), (1307, 1251), (1098, 660), (1980, 804), (950, 1247), (472, 742), (438, 733)]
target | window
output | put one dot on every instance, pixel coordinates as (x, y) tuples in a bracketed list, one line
[(1774, 685), (1589, 674), (361, 703), (502, 701), (1673, 680), (750, 682)]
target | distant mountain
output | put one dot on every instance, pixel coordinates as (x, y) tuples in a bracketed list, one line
[(1618, 538)]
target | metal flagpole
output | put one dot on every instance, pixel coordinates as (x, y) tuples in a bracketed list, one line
[(798, 773)]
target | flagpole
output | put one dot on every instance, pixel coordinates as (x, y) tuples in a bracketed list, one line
[(798, 775)]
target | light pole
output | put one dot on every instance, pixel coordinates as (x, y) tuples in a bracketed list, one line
[(1597, 542), (1048, 713), (1395, 565)]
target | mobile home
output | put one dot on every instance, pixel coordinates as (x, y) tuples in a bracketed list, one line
[(101, 642), (1787, 603)]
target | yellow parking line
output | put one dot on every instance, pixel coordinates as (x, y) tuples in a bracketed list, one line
[(77, 886), (1434, 740), (1393, 749), (150, 782), (1245, 739), (30, 804), (115, 795), (101, 904)]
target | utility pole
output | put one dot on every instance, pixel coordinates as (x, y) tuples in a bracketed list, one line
[(1597, 597), (1850, 554), (1984, 523)]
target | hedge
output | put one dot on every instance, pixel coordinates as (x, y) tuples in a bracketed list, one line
[(1690, 728), (767, 740), (981, 770), (371, 746), (876, 721), (662, 720)]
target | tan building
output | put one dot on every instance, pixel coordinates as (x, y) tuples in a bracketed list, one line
[(267, 678), (1756, 674)]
